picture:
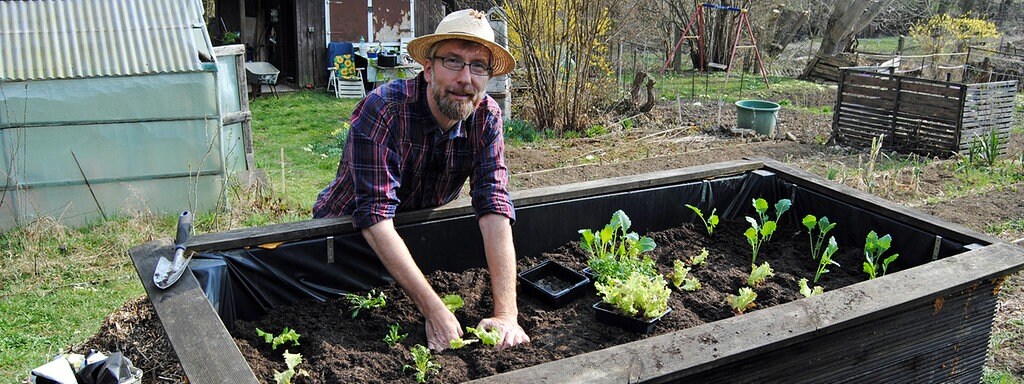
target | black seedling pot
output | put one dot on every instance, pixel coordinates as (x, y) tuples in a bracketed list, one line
[(553, 283), (607, 314)]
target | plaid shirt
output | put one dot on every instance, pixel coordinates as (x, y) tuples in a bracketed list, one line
[(397, 158)]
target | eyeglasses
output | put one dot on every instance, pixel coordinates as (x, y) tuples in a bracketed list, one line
[(454, 64)]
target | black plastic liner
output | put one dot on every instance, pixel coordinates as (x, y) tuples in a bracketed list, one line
[(245, 283)]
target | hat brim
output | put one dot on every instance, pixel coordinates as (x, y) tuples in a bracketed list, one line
[(502, 61)]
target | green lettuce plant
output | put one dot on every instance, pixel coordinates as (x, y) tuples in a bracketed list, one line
[(698, 259), (808, 291), (291, 360), (393, 336), (489, 338), (743, 301), (759, 274), (681, 279), (614, 251), (453, 302), (637, 296), (423, 363), (459, 342), (287, 335), (874, 248)]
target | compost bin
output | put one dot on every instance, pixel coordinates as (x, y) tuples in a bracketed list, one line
[(928, 321)]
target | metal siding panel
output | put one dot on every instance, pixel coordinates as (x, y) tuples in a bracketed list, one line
[(54, 39)]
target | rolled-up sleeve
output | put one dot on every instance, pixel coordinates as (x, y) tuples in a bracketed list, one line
[(489, 181)]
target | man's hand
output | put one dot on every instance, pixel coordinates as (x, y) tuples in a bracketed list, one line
[(442, 327), (511, 333)]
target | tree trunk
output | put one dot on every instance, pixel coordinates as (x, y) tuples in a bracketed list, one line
[(846, 20), (787, 25)]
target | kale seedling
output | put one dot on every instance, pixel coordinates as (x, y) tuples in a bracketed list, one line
[(874, 247), (761, 229), (615, 252), (710, 222), (373, 299), (489, 338), (826, 258), (287, 335), (638, 296), (758, 274), (823, 225), (423, 363), (680, 277), (292, 360), (393, 337), (808, 291), (742, 302), (453, 302)]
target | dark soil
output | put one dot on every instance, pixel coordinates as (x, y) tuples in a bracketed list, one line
[(337, 348)]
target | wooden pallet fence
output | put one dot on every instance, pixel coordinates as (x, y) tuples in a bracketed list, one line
[(927, 117)]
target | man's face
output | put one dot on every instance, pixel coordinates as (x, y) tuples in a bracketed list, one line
[(456, 93)]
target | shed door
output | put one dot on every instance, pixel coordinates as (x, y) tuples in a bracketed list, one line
[(348, 20)]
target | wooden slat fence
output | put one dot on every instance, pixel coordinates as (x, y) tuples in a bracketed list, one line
[(927, 117)]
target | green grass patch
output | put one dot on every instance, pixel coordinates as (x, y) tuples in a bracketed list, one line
[(998, 376)]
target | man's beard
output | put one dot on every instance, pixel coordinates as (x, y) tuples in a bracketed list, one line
[(455, 109)]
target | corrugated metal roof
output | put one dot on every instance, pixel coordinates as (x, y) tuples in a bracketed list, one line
[(55, 39)]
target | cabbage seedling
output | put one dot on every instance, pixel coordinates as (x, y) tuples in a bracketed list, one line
[(373, 299), (808, 291), (452, 301), (743, 301), (393, 337), (489, 338), (874, 247), (823, 225), (761, 229), (758, 274), (423, 363), (615, 252), (826, 258), (710, 222)]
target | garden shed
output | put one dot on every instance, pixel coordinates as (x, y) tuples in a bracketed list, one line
[(109, 106)]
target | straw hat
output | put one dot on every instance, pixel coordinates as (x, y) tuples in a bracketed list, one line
[(467, 24)]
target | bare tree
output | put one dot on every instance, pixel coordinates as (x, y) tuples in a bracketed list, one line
[(846, 20)]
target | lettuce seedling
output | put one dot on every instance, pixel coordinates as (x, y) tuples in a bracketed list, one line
[(393, 337), (874, 248), (758, 274), (615, 252), (373, 299), (710, 222), (287, 335), (489, 338), (423, 363), (291, 360), (742, 302), (699, 259), (452, 301), (681, 279), (638, 296), (807, 291), (823, 225), (459, 342), (826, 258)]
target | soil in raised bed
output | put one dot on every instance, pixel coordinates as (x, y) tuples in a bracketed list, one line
[(338, 348)]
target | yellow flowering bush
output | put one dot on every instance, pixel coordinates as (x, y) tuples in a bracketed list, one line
[(944, 33)]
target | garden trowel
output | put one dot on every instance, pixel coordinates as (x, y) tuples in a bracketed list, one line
[(168, 271)]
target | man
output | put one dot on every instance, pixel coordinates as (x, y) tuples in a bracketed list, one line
[(412, 145)]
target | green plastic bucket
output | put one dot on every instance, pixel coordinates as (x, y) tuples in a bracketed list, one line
[(759, 115)]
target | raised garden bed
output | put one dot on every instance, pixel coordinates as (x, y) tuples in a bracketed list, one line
[(927, 321)]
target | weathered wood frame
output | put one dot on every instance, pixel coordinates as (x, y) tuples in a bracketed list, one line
[(829, 337), (927, 117)]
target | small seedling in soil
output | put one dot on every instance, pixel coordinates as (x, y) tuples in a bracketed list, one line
[(488, 338), (615, 252), (459, 342), (423, 363), (761, 229), (742, 302), (826, 258), (373, 299), (700, 259), (681, 279), (823, 225), (759, 274), (808, 291), (638, 296), (710, 222), (874, 248), (393, 337), (292, 360), (287, 335), (452, 301)]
